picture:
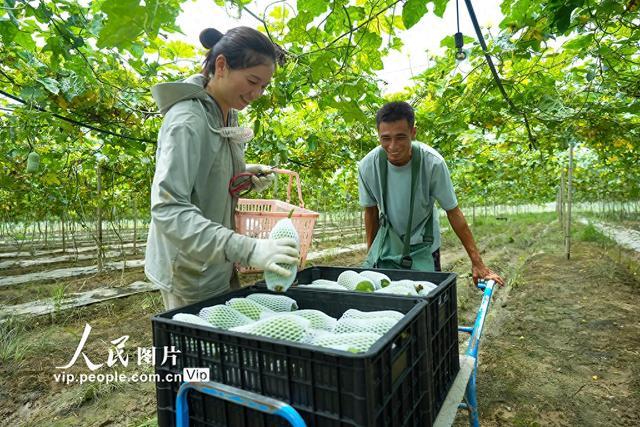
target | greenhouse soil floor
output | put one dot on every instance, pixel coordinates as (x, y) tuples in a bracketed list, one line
[(560, 345)]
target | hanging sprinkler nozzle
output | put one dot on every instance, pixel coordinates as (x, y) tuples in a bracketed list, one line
[(461, 55)]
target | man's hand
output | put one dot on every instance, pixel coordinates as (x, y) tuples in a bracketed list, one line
[(461, 228), (263, 176), (481, 271), (267, 254)]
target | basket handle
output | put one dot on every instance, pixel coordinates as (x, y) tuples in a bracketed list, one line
[(292, 174)]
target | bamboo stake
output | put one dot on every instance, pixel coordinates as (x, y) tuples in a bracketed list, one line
[(562, 203), (135, 227), (64, 242), (99, 215), (569, 199)]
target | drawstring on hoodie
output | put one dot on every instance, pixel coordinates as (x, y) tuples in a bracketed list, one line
[(237, 134)]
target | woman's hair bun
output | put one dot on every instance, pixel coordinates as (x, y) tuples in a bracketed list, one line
[(209, 37)]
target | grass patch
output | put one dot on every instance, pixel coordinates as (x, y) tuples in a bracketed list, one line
[(591, 234), (88, 392), (526, 420), (57, 297), (14, 344), (152, 302), (151, 422)]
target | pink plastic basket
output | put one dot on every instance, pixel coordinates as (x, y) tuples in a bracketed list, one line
[(256, 217)]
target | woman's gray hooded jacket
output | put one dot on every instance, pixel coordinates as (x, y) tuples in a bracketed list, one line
[(191, 245)]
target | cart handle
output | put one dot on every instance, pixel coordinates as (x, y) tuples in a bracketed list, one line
[(476, 331), (292, 174), (237, 396)]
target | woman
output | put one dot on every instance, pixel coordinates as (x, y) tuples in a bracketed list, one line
[(192, 246)]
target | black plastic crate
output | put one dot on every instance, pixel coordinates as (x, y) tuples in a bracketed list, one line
[(383, 387), (442, 318)]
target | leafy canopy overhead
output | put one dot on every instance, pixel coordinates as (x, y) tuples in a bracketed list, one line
[(569, 67)]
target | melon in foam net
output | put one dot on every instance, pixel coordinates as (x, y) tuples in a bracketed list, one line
[(398, 290), (355, 342), (318, 319), (325, 284), (376, 325), (352, 313), (223, 316), (249, 308), (355, 282), (282, 230), (283, 326), (380, 280), (274, 302), (190, 318)]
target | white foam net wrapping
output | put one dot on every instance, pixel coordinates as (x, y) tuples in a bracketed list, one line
[(317, 319), (325, 282), (190, 318), (274, 302), (404, 282), (283, 326), (380, 280), (424, 287), (312, 334), (355, 282), (224, 316), (352, 313), (357, 342), (418, 285), (275, 282), (248, 307), (333, 286), (378, 326), (398, 290)]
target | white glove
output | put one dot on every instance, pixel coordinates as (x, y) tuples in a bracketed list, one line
[(267, 254), (261, 183)]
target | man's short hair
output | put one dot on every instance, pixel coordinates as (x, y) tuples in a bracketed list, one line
[(394, 111)]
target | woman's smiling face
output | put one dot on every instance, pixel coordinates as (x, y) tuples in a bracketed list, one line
[(241, 87)]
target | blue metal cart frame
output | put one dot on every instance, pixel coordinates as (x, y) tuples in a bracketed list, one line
[(464, 385), (463, 388), (236, 396)]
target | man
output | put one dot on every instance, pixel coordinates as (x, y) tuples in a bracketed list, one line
[(388, 176)]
